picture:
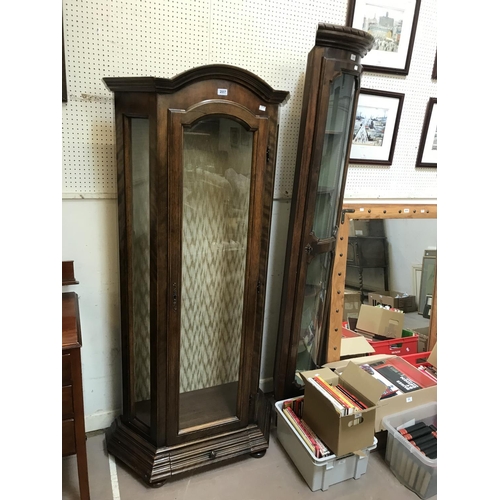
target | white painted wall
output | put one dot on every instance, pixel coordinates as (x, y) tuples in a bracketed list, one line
[(407, 241), (90, 239)]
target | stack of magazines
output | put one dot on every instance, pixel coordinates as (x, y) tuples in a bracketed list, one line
[(292, 409), (344, 402)]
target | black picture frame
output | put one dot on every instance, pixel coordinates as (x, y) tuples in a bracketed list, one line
[(377, 148), (64, 86), (394, 56), (434, 75), (427, 149)]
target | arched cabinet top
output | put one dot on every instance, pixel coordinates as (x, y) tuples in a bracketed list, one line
[(207, 72), (345, 38)]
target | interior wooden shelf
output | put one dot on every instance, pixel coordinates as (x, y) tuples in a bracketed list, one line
[(199, 407)]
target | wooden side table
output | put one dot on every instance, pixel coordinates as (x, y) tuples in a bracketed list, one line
[(73, 424)]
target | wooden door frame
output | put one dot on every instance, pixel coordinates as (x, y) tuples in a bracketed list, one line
[(367, 211)]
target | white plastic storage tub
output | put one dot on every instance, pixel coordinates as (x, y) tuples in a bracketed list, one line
[(412, 468), (319, 473)]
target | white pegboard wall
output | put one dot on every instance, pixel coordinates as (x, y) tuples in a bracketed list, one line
[(402, 180), (162, 38)]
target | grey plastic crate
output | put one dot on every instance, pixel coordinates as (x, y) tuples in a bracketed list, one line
[(412, 468), (319, 473)]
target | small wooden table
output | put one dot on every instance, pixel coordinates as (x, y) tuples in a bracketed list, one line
[(73, 422)]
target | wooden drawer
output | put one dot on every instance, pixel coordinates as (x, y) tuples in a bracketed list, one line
[(68, 437), (66, 369), (67, 402)]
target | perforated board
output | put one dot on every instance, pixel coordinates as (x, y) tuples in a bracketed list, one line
[(271, 38)]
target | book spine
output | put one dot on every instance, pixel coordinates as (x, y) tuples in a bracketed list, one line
[(343, 400), (411, 428), (341, 409), (418, 433), (324, 451), (295, 421), (359, 403), (422, 441)]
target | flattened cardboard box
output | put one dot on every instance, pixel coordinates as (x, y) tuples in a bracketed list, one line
[(433, 356), (395, 404), (352, 303), (379, 321), (349, 433)]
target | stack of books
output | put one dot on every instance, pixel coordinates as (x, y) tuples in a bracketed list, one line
[(430, 371), (292, 409), (399, 376), (344, 402)]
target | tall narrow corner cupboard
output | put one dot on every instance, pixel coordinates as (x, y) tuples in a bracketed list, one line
[(196, 158), (331, 90)]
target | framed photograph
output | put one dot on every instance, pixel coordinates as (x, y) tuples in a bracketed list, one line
[(376, 127), (427, 150), (393, 24)]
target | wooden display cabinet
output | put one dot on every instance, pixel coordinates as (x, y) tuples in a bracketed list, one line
[(196, 158), (331, 91)]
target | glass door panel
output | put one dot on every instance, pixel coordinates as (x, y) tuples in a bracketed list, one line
[(139, 140), (335, 145), (318, 273), (333, 157), (217, 164)]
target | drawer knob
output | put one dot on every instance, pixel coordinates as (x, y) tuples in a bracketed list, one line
[(212, 455)]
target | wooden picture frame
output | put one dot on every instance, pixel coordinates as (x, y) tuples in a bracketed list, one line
[(376, 127), (367, 211), (393, 24), (427, 150)]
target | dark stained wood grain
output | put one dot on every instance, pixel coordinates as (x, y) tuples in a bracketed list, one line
[(229, 422), (222, 72), (68, 273), (338, 50), (71, 334), (73, 424)]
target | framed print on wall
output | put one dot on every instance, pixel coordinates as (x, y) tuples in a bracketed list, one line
[(427, 150), (393, 24), (64, 88), (376, 127)]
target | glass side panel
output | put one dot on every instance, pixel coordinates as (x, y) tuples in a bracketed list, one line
[(217, 164), (318, 273), (139, 130), (333, 157)]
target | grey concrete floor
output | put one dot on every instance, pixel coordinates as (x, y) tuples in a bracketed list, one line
[(272, 477)]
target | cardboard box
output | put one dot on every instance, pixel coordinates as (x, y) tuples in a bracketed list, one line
[(356, 345), (397, 300), (433, 356), (379, 321), (423, 338), (352, 304), (349, 433), (394, 404), (401, 346)]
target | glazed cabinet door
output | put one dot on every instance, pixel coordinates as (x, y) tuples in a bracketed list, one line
[(216, 173), (330, 97), (330, 149)]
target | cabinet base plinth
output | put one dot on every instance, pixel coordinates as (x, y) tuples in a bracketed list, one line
[(155, 466)]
